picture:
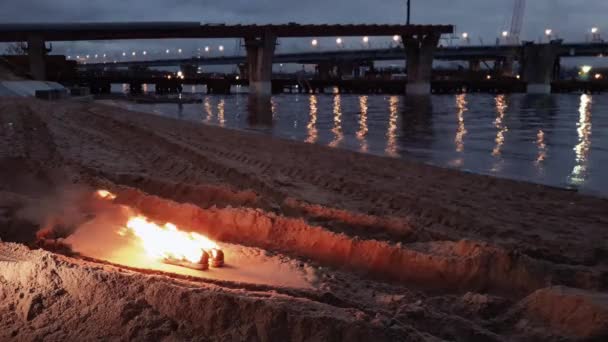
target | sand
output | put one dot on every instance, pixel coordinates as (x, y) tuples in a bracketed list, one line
[(321, 243)]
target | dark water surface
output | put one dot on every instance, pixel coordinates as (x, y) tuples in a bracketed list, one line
[(559, 140)]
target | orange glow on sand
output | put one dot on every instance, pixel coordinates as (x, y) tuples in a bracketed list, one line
[(167, 243)]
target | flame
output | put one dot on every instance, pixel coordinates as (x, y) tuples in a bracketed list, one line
[(169, 242), (105, 194)]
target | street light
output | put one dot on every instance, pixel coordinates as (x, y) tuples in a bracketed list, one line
[(594, 30), (206, 49), (548, 33), (145, 52), (396, 38), (179, 50), (339, 41), (366, 39), (465, 36), (221, 48), (167, 51), (314, 43), (505, 34)]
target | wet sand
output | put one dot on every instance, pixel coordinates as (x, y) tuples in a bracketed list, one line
[(388, 248)]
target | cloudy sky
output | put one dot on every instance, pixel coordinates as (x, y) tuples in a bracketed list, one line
[(485, 19)]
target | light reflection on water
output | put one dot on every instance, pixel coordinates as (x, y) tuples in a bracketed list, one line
[(337, 129), (545, 139), (582, 149), (362, 132)]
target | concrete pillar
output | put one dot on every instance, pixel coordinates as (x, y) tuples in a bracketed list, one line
[(475, 65), (243, 70), (539, 65), (419, 54), (324, 70), (36, 50), (260, 51)]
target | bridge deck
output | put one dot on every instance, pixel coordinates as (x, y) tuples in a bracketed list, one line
[(158, 30)]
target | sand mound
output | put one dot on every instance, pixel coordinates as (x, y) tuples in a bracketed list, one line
[(62, 299)]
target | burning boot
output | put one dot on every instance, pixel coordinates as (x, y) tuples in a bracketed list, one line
[(217, 258), (202, 264)]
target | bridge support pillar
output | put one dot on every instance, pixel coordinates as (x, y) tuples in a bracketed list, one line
[(540, 64), (36, 50), (474, 65), (419, 55), (260, 51), (324, 70)]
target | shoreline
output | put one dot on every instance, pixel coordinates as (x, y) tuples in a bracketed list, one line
[(391, 246), (404, 154)]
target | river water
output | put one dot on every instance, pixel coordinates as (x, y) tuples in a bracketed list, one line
[(559, 140)]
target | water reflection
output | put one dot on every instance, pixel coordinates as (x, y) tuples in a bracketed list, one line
[(260, 111), (311, 128), (579, 173), (542, 148), (461, 131), (417, 120), (273, 108), (220, 113), (391, 132), (363, 129), (208, 110), (337, 129), (499, 123)]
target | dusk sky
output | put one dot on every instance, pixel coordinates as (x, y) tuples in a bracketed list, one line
[(570, 19)]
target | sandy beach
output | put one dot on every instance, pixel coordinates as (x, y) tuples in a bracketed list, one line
[(321, 243)]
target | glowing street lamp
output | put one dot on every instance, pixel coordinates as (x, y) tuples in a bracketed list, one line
[(221, 48), (366, 39), (465, 37), (206, 49), (133, 53), (314, 43), (339, 41), (595, 34), (96, 55), (396, 38), (145, 52), (586, 68), (505, 34), (179, 50), (548, 33), (167, 51)]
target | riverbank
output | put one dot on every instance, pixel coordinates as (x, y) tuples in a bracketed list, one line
[(388, 247)]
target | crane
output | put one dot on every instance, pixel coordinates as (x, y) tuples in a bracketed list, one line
[(517, 21)]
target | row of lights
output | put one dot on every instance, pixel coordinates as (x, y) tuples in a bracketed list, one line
[(144, 53), (339, 41), (548, 33)]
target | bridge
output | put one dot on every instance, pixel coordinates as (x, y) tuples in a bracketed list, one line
[(260, 42), (538, 62), (458, 53)]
